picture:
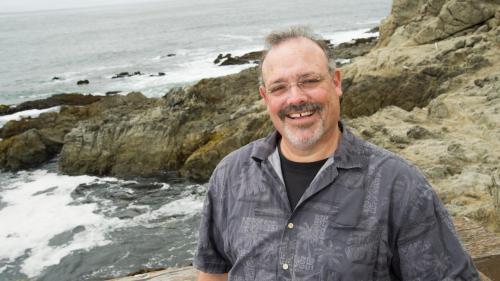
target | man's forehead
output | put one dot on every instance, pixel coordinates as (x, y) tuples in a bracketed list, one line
[(294, 44), (291, 50)]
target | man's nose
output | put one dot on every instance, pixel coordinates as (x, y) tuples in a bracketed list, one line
[(295, 94)]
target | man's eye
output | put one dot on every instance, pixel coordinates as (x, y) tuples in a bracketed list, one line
[(310, 82), (274, 89)]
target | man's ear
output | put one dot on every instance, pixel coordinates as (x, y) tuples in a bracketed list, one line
[(262, 92), (337, 81)]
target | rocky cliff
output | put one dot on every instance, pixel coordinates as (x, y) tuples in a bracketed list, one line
[(423, 46), (430, 91)]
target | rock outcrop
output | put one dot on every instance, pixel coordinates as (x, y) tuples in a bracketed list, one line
[(27, 150), (356, 48), (189, 130), (55, 100), (126, 74), (438, 62), (426, 21), (30, 142), (228, 59), (455, 141), (409, 67)]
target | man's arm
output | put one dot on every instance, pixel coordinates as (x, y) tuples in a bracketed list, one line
[(202, 276), (210, 257), (427, 246)]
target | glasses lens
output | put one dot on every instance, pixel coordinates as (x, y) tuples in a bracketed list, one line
[(277, 89), (309, 82)]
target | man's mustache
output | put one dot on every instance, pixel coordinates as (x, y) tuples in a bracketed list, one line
[(301, 107)]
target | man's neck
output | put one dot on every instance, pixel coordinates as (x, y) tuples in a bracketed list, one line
[(319, 151)]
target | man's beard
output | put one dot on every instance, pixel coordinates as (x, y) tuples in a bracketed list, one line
[(290, 132), (304, 142)]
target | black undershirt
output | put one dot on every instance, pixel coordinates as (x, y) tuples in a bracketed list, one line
[(298, 176)]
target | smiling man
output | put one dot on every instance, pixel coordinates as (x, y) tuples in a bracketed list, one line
[(312, 201)]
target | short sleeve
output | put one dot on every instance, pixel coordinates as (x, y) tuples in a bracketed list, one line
[(210, 257), (428, 247)]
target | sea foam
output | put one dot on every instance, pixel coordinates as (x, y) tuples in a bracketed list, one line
[(33, 113), (38, 208)]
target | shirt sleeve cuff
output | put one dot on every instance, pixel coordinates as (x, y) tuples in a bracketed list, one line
[(208, 267)]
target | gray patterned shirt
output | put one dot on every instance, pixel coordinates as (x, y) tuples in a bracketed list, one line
[(367, 215)]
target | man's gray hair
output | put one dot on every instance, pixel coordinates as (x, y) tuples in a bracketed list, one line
[(277, 37)]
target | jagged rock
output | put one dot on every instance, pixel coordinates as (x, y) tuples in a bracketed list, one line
[(374, 29), (121, 75), (405, 89), (55, 100), (157, 75), (252, 56), (187, 131), (408, 71), (233, 61), (350, 50), (455, 16), (228, 59), (56, 78), (219, 58), (421, 22), (27, 150), (459, 148), (55, 124), (50, 129), (82, 82), (125, 74)]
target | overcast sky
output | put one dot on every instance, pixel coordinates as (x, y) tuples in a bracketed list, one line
[(7, 6)]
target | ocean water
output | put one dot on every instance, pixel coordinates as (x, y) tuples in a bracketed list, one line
[(97, 43), (58, 227)]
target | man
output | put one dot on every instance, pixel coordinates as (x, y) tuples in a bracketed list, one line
[(312, 201)]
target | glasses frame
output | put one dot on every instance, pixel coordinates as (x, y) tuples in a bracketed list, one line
[(314, 79)]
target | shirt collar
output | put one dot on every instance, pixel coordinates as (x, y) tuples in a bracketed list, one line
[(350, 153)]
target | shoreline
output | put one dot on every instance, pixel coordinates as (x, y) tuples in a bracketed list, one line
[(196, 68)]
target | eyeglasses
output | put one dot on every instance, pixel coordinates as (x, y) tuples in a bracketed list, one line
[(305, 83)]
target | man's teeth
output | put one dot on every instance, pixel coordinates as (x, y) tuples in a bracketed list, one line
[(300, 114)]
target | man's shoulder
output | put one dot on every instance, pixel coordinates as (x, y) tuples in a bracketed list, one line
[(239, 158)]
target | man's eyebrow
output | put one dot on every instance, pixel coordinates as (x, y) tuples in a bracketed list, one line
[(308, 74), (282, 80), (279, 80)]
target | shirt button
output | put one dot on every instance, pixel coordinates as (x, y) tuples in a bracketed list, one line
[(290, 225), (285, 266)]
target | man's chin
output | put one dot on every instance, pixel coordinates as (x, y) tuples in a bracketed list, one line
[(302, 139)]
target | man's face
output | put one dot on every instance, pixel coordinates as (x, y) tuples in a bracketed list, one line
[(305, 116)]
